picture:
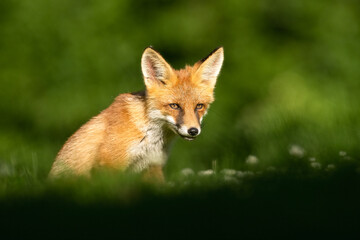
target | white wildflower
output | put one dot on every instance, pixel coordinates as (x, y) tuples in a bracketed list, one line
[(342, 153), (251, 160), (242, 174), (312, 159), (249, 173), (208, 172), (330, 167), (228, 172), (316, 165), (344, 156), (230, 179), (187, 172), (297, 151)]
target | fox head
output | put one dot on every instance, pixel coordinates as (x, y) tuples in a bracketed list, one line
[(180, 98)]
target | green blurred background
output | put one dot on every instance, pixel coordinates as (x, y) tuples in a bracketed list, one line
[(288, 95), (291, 75)]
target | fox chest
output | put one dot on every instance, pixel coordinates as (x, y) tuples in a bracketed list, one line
[(151, 150)]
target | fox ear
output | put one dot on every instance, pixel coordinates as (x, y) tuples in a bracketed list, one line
[(154, 68), (210, 67)]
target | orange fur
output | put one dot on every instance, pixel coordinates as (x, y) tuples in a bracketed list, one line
[(154, 173), (135, 130)]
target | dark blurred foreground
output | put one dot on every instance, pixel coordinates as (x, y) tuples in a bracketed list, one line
[(288, 96), (290, 76), (292, 206)]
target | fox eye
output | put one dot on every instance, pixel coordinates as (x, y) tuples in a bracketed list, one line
[(174, 106), (199, 106)]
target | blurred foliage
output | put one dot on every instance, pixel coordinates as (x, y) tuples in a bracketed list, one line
[(291, 74)]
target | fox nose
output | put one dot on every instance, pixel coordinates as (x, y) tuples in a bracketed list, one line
[(193, 131)]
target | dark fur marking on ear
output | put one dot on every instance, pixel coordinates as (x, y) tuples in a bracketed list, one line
[(150, 46), (139, 94), (212, 52)]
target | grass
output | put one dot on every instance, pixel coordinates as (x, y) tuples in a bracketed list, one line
[(294, 200), (282, 137)]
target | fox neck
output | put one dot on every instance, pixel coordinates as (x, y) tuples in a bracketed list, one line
[(154, 146), (157, 130)]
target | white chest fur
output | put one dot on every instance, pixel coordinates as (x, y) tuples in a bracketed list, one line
[(151, 150)]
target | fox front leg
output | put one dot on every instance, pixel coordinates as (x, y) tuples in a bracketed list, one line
[(154, 173)]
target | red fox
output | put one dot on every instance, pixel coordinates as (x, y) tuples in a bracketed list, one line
[(134, 132)]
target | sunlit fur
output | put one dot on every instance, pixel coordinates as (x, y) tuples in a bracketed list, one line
[(134, 132), (187, 91)]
